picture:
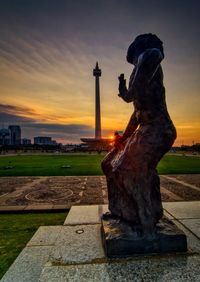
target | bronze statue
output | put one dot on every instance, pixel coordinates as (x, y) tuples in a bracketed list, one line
[(132, 179)]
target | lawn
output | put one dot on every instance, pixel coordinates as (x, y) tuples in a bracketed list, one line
[(17, 229), (47, 165), (171, 164), (83, 164)]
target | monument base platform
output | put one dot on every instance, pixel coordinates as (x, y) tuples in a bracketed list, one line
[(121, 240)]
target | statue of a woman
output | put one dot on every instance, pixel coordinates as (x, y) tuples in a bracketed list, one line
[(130, 169)]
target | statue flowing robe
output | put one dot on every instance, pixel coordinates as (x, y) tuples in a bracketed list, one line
[(132, 179)]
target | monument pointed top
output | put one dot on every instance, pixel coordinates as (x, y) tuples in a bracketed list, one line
[(96, 70), (97, 65)]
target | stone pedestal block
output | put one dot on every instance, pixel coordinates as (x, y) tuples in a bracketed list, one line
[(120, 239)]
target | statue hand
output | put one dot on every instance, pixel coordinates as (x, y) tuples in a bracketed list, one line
[(122, 84), (121, 79)]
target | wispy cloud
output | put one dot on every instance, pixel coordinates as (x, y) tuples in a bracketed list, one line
[(31, 127), (16, 110), (48, 50)]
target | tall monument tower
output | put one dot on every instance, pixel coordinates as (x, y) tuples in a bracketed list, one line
[(97, 74), (97, 143)]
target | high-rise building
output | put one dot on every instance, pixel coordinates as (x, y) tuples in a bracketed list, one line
[(15, 135), (4, 136)]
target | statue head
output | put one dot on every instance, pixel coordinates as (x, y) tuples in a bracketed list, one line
[(142, 43)]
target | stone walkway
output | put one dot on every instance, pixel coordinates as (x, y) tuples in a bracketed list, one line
[(29, 194), (74, 252)]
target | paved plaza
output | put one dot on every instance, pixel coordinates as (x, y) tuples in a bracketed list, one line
[(62, 192), (74, 251)]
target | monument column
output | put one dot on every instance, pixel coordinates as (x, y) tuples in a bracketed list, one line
[(97, 74)]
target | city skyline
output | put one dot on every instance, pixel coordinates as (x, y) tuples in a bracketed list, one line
[(48, 50)]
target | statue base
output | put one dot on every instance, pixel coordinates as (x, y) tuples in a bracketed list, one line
[(120, 239)]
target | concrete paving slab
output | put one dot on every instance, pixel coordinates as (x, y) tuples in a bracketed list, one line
[(90, 214), (78, 244), (85, 214), (183, 210), (169, 216), (160, 269), (193, 242), (28, 265), (45, 236), (193, 225)]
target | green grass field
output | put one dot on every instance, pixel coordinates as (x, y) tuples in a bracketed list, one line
[(17, 229), (83, 164)]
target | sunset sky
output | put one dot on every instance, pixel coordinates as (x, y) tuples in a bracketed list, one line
[(48, 49)]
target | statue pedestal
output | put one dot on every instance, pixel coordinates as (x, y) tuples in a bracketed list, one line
[(120, 240)]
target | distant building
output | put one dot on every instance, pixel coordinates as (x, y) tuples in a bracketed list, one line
[(4, 136), (42, 140), (15, 135), (26, 141), (10, 136)]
